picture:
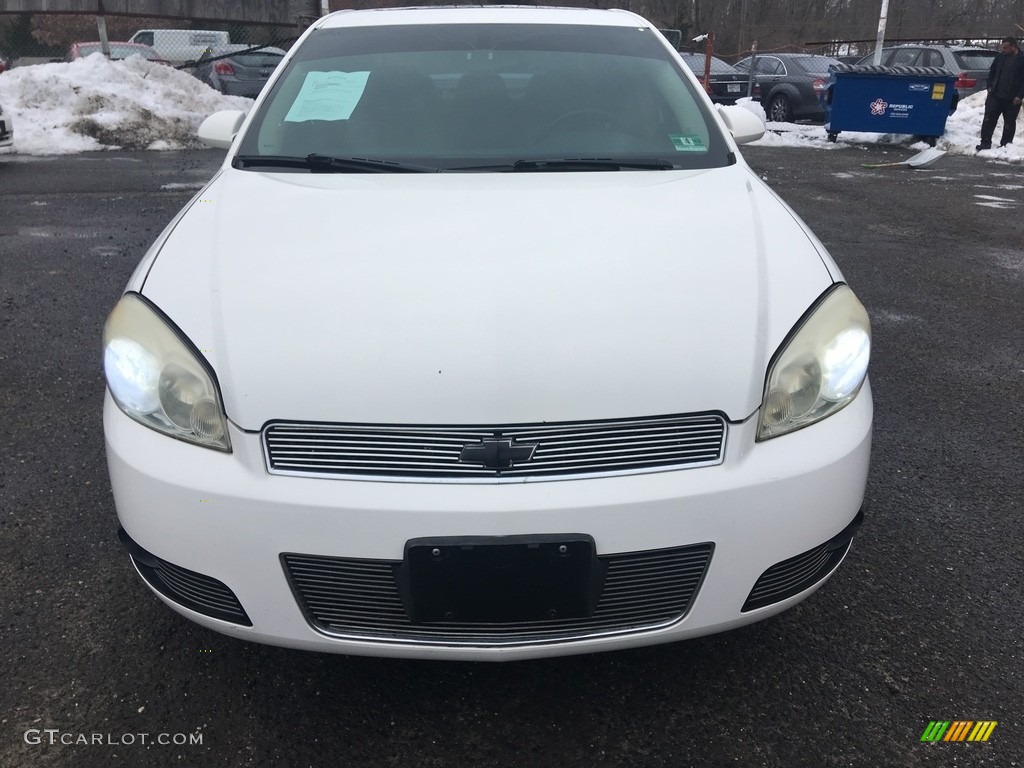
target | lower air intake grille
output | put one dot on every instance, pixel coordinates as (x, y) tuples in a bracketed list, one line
[(790, 577), (495, 452), (199, 593), (360, 599)]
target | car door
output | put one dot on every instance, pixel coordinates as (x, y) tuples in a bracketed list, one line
[(769, 72)]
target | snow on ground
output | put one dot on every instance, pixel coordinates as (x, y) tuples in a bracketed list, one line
[(93, 104), (961, 137)]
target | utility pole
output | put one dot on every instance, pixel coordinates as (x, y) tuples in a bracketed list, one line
[(753, 66), (880, 41), (101, 29)]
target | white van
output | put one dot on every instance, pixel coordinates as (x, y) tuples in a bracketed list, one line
[(181, 45)]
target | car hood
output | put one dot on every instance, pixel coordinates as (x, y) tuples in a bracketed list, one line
[(486, 298)]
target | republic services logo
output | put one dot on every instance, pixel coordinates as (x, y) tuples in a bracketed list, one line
[(878, 107)]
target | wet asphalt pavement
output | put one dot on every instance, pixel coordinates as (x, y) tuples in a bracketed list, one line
[(921, 623)]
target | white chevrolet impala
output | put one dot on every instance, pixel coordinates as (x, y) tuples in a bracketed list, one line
[(485, 343)]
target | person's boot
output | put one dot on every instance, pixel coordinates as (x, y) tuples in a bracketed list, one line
[(984, 145)]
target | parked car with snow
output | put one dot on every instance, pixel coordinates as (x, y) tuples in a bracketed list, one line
[(485, 343)]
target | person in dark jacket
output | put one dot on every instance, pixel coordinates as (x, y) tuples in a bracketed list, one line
[(1005, 94)]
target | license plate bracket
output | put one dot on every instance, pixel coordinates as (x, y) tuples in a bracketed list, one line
[(488, 579)]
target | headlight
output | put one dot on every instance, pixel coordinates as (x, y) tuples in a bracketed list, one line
[(156, 377), (820, 368)]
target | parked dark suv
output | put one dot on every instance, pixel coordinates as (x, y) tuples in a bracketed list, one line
[(968, 63)]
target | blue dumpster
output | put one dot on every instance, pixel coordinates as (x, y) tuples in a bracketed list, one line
[(912, 100)]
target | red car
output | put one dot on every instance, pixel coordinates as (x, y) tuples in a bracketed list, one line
[(118, 50)]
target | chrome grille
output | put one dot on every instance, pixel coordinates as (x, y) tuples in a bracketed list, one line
[(359, 599), (569, 448)]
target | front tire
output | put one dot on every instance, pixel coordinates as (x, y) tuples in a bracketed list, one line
[(779, 110)]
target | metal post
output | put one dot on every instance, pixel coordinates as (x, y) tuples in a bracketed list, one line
[(880, 41), (101, 28), (753, 63), (709, 46)]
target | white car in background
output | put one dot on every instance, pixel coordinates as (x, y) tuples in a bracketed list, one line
[(6, 128), (485, 343)]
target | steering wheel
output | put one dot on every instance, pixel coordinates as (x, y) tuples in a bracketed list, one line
[(580, 119)]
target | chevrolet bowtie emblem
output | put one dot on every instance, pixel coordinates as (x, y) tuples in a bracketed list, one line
[(497, 453)]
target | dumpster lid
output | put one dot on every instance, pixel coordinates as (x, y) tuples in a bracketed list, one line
[(871, 69)]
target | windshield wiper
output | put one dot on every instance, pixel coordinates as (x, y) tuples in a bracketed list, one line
[(328, 164), (571, 164), (591, 164)]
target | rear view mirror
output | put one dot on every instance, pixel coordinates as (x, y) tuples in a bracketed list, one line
[(743, 124), (219, 129)]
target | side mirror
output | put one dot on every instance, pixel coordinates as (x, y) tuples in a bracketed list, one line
[(743, 124), (219, 129)]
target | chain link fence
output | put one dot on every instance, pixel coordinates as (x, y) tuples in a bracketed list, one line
[(38, 38)]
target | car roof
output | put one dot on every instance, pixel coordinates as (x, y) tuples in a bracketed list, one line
[(940, 45), (718, 66), (113, 42), (798, 56), (481, 15)]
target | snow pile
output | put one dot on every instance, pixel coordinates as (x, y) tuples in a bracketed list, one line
[(94, 103)]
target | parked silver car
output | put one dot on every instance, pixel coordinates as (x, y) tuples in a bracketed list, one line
[(969, 64), (238, 70)]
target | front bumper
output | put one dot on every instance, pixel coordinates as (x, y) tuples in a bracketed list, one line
[(755, 535)]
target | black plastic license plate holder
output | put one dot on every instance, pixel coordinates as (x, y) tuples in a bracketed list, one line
[(500, 579)]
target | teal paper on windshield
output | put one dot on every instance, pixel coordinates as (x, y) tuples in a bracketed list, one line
[(327, 96)]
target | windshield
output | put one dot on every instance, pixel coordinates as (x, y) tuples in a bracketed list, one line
[(718, 67), (117, 51), (974, 59), (248, 56), (815, 65), (258, 59), (482, 97)]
